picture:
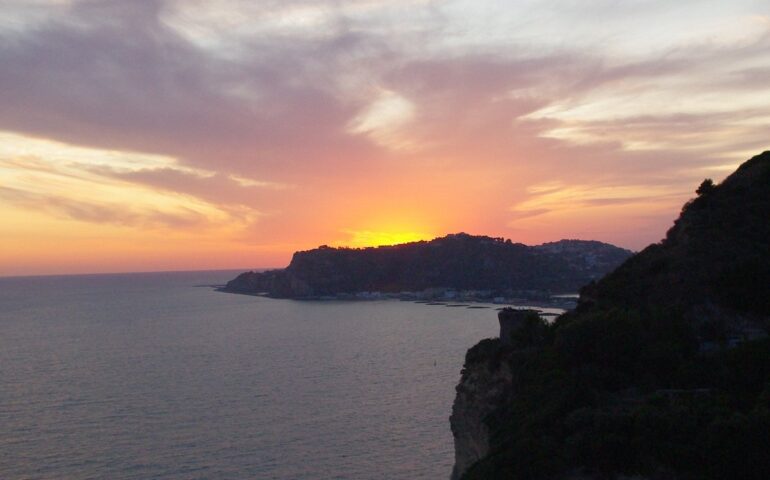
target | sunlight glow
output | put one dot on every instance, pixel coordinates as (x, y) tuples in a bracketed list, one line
[(367, 238)]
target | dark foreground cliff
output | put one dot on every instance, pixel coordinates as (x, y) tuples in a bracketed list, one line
[(459, 262), (661, 372)]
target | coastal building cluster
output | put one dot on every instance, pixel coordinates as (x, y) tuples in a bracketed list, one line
[(470, 296)]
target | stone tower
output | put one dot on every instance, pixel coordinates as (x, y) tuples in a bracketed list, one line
[(511, 320)]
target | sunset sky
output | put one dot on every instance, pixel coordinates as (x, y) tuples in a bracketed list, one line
[(144, 135)]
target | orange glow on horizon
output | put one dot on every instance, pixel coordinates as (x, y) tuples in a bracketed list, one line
[(368, 238)]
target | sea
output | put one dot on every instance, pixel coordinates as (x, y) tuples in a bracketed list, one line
[(160, 376)]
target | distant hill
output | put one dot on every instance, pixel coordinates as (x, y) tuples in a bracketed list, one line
[(459, 261), (662, 371)]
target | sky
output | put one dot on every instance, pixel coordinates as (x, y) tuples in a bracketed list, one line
[(141, 135)]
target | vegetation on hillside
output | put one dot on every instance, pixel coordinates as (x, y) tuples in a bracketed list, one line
[(663, 370), (459, 261)]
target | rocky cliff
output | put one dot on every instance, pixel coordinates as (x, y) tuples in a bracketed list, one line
[(459, 261), (485, 384), (663, 370)]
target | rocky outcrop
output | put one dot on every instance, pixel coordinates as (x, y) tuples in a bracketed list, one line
[(461, 262), (485, 384)]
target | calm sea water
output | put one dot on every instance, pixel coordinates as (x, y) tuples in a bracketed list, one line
[(146, 376)]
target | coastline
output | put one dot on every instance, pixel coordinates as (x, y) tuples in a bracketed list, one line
[(551, 307)]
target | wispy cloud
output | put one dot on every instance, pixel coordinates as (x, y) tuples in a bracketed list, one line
[(563, 198), (76, 183), (103, 212)]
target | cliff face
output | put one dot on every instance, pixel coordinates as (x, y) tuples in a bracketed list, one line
[(460, 261), (485, 384), (663, 370)]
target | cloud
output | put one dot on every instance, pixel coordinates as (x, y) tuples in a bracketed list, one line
[(120, 75), (214, 188), (110, 74), (144, 192), (90, 212), (552, 197)]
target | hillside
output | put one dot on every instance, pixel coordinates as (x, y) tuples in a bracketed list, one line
[(459, 261), (716, 253), (662, 371)]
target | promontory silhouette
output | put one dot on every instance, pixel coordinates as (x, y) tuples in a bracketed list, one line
[(462, 262)]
